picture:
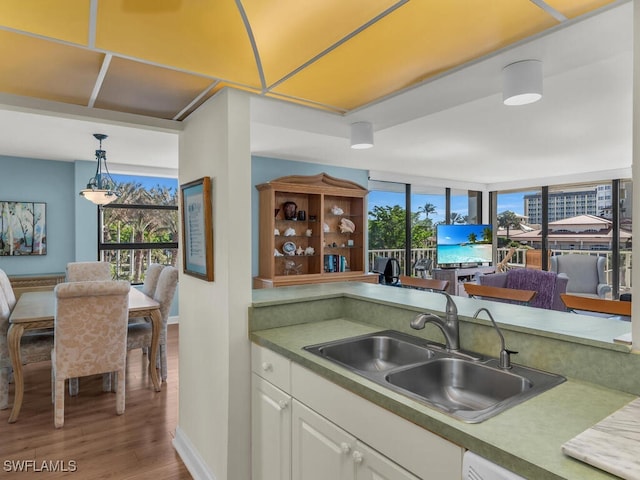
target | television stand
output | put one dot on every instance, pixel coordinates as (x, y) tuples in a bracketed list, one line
[(458, 276)]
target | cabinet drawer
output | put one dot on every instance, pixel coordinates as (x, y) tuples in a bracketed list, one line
[(271, 366)]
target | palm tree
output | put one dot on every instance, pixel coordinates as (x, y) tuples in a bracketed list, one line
[(455, 217), (508, 219), (427, 209)]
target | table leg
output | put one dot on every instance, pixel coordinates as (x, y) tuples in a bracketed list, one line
[(156, 325), (14, 335)]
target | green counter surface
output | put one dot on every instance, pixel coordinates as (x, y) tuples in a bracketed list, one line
[(525, 439), (582, 329)]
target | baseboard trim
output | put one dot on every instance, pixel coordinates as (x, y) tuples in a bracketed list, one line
[(190, 457), (173, 320)]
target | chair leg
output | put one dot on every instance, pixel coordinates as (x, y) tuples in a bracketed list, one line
[(107, 382), (74, 386), (163, 362), (4, 388), (120, 377), (59, 402)]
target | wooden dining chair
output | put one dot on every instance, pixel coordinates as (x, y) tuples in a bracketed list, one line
[(597, 305), (84, 271), (423, 283), (507, 295), (90, 336)]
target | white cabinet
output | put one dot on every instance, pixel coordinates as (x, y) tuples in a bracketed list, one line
[(322, 450), (373, 466), (270, 431), (305, 427)]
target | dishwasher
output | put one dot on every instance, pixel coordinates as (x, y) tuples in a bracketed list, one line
[(475, 467)]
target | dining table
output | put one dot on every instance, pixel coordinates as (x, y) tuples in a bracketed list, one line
[(36, 311)]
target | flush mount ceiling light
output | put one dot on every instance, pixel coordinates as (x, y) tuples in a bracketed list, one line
[(101, 188), (361, 135), (522, 82)]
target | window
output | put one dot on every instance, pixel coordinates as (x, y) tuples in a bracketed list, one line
[(389, 227), (141, 227), (387, 222), (591, 218)]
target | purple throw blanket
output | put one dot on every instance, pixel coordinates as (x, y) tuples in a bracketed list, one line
[(539, 280)]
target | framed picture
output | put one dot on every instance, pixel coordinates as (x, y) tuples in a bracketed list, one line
[(23, 228), (197, 229)]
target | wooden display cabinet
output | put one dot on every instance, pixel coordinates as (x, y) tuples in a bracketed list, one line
[(327, 203)]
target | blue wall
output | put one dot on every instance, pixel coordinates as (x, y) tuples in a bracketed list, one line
[(72, 221), (265, 169), (51, 182)]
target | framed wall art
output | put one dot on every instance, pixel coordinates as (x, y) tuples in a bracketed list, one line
[(197, 229), (23, 228)]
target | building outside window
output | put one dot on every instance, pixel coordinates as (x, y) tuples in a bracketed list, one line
[(582, 219), (140, 227)]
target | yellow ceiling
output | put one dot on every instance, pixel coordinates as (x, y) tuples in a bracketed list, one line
[(163, 58)]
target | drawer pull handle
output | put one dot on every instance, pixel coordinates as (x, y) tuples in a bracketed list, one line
[(357, 457), (283, 404), (267, 367), (345, 448)]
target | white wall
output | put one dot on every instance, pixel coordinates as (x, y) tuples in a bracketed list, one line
[(214, 412)]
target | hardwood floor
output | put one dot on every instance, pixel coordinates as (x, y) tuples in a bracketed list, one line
[(95, 442)]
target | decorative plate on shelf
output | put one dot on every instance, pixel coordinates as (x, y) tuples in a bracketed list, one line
[(289, 248)]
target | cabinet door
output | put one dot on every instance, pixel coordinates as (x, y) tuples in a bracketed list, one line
[(370, 465), (270, 431), (321, 450)]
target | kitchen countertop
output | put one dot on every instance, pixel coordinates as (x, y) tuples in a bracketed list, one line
[(526, 438)]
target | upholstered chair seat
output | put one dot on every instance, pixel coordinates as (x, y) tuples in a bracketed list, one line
[(139, 334), (33, 348), (586, 274), (7, 290), (90, 336), (84, 271)]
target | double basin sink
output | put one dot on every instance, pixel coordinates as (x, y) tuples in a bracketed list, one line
[(463, 385)]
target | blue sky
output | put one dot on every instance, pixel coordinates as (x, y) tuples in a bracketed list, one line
[(506, 201), (147, 182)]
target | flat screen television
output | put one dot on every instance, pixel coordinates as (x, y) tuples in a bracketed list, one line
[(464, 245)]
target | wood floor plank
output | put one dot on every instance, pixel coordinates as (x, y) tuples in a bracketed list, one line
[(103, 445)]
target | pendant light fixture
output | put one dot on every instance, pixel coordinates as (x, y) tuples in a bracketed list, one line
[(101, 189)]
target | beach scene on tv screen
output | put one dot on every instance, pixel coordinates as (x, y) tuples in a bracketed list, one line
[(459, 244)]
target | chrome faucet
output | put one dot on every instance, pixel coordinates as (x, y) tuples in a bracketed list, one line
[(505, 354), (450, 327)]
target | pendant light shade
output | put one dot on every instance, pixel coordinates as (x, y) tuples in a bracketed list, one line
[(101, 189), (522, 82), (361, 135)]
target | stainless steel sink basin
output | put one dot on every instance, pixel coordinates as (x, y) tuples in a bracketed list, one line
[(469, 388), (377, 352), (459, 384)]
